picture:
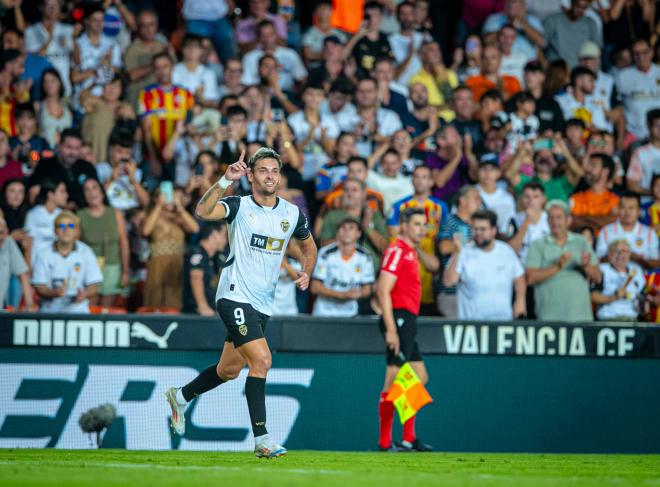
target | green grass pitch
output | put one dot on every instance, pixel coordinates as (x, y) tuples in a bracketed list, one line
[(322, 469)]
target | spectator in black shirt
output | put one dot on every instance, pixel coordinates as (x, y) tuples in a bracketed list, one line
[(547, 109), (368, 43), (67, 167), (464, 108), (332, 66), (202, 266)]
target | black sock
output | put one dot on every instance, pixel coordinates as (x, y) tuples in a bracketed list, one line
[(206, 380), (255, 392)]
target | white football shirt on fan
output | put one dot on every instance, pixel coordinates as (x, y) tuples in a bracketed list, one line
[(400, 45), (258, 237), (644, 164), (534, 231), (612, 281), (314, 156), (502, 203), (76, 271), (570, 106), (342, 275), (640, 93), (485, 286), (642, 239)]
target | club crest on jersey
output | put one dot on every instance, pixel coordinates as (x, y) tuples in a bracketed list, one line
[(284, 224), (242, 329)]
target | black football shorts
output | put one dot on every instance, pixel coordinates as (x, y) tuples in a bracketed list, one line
[(406, 327), (243, 322)]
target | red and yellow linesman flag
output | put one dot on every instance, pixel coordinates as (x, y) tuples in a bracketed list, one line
[(408, 393)]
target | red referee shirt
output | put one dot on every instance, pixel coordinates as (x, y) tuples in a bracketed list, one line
[(400, 259)]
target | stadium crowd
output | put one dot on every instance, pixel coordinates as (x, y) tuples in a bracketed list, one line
[(528, 131)]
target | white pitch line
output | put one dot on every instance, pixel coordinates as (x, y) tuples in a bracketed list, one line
[(75, 463)]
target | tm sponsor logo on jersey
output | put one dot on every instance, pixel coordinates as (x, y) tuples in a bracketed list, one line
[(263, 243)]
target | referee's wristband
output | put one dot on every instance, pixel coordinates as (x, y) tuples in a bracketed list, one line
[(224, 183)]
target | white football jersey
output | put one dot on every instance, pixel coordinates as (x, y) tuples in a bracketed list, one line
[(258, 237), (339, 274)]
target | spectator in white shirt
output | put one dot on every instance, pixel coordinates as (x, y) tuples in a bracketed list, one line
[(12, 264), (513, 60), (192, 75), (338, 104), (493, 197), (39, 221), (371, 123), (390, 182), (530, 29), (642, 240), (66, 273), (405, 44), (315, 135), (52, 39), (576, 103), (486, 271), (96, 57), (531, 223), (291, 68), (208, 18), (343, 274), (313, 39), (622, 284), (639, 87), (645, 161)]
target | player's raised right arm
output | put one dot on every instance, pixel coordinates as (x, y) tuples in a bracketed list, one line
[(208, 207)]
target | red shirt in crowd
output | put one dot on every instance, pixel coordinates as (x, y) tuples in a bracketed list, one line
[(400, 259)]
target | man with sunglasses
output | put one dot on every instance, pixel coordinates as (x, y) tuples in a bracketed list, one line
[(66, 274), (639, 87)]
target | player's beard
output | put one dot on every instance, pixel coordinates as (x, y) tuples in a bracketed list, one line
[(264, 190)]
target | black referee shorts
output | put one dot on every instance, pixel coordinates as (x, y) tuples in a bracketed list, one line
[(243, 322), (406, 327)]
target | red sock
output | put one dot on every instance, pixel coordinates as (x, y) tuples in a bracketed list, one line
[(386, 416), (409, 430)]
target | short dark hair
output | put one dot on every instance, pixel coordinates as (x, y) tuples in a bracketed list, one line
[(264, 153), (24, 109), (422, 166), (7, 56), (575, 122), (631, 196), (405, 3), (359, 159), (652, 116), (342, 85), (607, 162), (390, 152), (262, 24), (533, 185), (70, 133), (264, 57), (159, 55), (487, 215), (492, 95), (579, 71), (656, 177), (189, 39), (234, 110), (120, 137), (207, 228), (373, 4), (406, 215)]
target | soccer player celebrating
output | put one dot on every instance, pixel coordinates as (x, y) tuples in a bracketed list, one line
[(260, 227), (399, 291)]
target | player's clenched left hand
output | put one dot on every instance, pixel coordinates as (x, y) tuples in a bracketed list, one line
[(303, 281)]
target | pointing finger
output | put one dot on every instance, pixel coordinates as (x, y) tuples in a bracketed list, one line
[(240, 159)]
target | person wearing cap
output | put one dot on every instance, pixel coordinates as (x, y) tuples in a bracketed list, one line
[(547, 110), (568, 29), (494, 197), (559, 266), (313, 40), (344, 273)]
